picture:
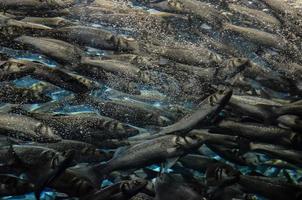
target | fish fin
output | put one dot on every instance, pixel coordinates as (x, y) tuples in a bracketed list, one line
[(44, 181), (119, 151), (170, 162), (14, 158)]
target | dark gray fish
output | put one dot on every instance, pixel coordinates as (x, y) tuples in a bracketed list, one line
[(271, 188), (11, 185), (202, 10), (199, 56), (34, 4), (258, 37), (74, 184), (95, 37), (207, 109), (119, 191), (34, 161), (10, 72), (150, 152), (11, 29), (56, 76), (197, 162), (86, 125), (84, 152), (10, 93), (292, 121), (274, 151), (48, 21), (257, 132), (25, 127), (167, 187), (58, 50), (129, 112)]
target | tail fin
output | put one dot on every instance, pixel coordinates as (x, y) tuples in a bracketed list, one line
[(54, 173)]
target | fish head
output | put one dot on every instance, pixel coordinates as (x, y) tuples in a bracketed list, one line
[(49, 133), (176, 4)]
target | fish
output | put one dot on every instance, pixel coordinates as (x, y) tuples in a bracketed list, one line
[(149, 152), (73, 185), (9, 72), (14, 185), (197, 162), (292, 121), (25, 127), (34, 4), (199, 56), (118, 67), (270, 187), (84, 152), (12, 29), (257, 132), (58, 77), (202, 10), (48, 21), (167, 187), (34, 161), (16, 95), (258, 36), (128, 112), (258, 16), (58, 50), (95, 37), (118, 191), (275, 151), (207, 109), (85, 125)]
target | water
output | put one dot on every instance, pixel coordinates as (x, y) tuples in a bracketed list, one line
[(157, 96)]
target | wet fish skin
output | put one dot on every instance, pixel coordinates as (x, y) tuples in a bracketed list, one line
[(58, 50), (13, 185), (26, 127)]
